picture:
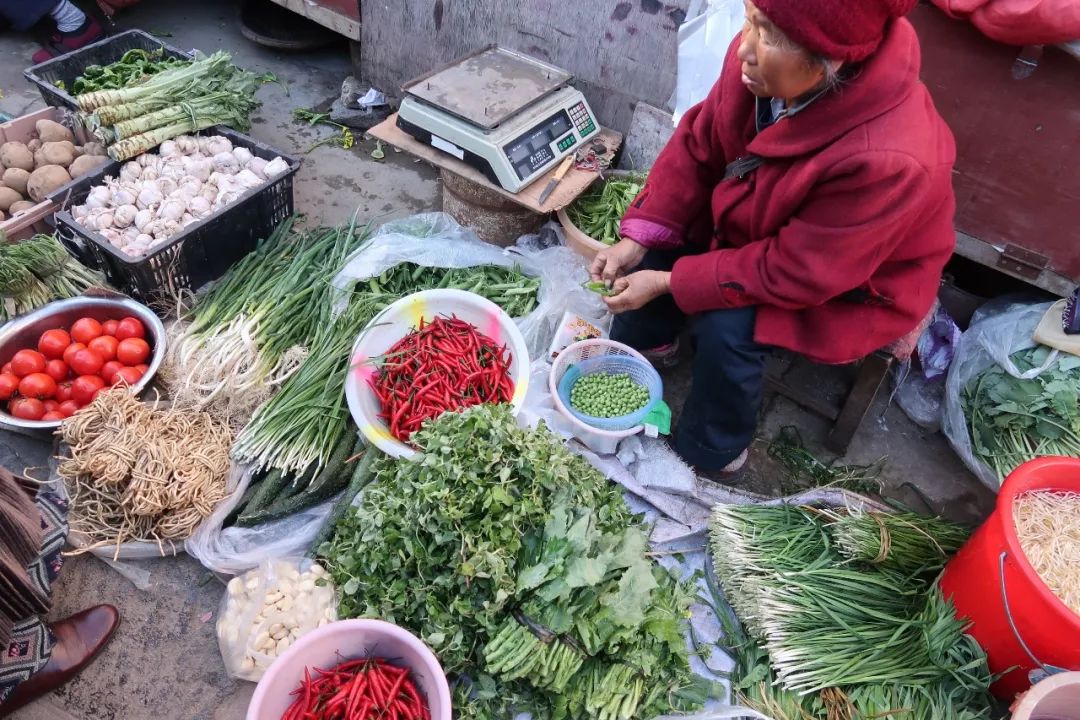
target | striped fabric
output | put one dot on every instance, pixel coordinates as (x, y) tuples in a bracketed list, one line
[(32, 531)]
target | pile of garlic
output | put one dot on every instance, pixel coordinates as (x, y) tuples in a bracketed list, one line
[(159, 194), (268, 609)]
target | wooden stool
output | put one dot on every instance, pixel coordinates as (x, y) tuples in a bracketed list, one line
[(871, 372)]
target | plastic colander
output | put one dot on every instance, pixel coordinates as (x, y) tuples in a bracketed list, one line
[(594, 356)]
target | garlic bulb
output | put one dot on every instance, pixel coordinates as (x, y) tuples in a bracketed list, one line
[(249, 180), (226, 163), (149, 197), (168, 148), (124, 215), (243, 156), (199, 169), (104, 221), (171, 210), (216, 144), (199, 207), (150, 173), (113, 236), (78, 212), (258, 166), (167, 185), (123, 196), (143, 218), (186, 144), (276, 167), (130, 171)]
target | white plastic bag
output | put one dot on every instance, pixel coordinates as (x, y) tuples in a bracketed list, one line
[(436, 240), (266, 610), (703, 42), (234, 550), (985, 343)]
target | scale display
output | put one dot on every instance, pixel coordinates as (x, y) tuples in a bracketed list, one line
[(510, 116)]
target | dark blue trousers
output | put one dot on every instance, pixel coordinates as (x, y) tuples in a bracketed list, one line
[(24, 14), (720, 415)]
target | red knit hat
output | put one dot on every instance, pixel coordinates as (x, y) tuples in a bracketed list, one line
[(846, 30)]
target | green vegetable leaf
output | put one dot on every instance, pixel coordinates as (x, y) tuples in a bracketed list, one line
[(629, 602)]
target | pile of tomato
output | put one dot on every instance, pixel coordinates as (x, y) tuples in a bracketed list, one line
[(71, 366)]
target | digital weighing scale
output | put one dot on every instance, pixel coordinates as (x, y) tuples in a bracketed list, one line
[(510, 116)]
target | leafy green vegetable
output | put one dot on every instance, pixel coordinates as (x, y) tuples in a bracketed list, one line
[(133, 66), (520, 565), (1012, 420), (599, 210)]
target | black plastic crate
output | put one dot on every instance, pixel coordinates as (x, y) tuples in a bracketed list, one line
[(70, 66), (196, 255)]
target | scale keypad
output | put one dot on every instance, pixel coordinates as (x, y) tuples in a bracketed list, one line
[(582, 119)]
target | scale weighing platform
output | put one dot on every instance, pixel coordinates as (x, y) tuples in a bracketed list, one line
[(510, 116)]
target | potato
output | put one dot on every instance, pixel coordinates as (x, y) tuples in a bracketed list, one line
[(50, 131), (16, 155), (34, 145), (85, 164), (46, 179), (8, 197), (15, 178), (56, 153), (2, 217), (94, 148), (20, 206), (77, 152)]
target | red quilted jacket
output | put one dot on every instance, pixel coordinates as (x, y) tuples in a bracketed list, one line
[(839, 237)]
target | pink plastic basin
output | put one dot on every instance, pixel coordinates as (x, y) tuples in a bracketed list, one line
[(344, 640)]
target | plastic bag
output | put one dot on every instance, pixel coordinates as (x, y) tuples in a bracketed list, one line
[(986, 342), (267, 609), (919, 398), (234, 550), (703, 42), (436, 240)]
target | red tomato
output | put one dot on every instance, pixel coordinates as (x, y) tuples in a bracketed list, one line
[(63, 392), (105, 346), (109, 327), (27, 362), (68, 408), (86, 362), (142, 367), (132, 351), (53, 343), (71, 350), (37, 385), (9, 383), (85, 388), (57, 370), (50, 405), (108, 371), (6, 368), (53, 416), (85, 329), (27, 409), (128, 376), (130, 327)]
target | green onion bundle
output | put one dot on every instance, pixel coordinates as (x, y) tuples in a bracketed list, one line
[(846, 630), (906, 542)]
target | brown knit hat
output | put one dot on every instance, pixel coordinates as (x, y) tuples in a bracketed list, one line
[(848, 30)]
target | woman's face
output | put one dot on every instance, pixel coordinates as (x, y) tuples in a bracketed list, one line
[(773, 65)]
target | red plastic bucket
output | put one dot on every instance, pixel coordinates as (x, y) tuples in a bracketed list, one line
[(1015, 617)]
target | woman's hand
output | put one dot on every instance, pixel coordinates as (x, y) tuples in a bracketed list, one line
[(638, 289), (613, 262)]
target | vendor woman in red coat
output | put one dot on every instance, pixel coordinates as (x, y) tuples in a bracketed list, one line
[(805, 204)]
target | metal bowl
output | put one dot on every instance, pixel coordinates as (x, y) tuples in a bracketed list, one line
[(23, 332)]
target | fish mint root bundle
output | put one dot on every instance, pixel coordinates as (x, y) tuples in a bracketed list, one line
[(521, 566)]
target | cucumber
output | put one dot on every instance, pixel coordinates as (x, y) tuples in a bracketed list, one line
[(361, 476), (249, 493), (268, 490)]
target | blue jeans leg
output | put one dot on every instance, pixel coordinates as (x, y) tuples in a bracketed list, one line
[(657, 323), (720, 415)]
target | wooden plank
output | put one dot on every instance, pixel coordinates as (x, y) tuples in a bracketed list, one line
[(565, 192), (341, 16), (620, 52), (1017, 143)]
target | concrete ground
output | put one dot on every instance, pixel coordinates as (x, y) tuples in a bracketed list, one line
[(163, 662)]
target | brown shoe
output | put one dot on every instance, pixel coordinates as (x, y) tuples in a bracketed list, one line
[(78, 639)]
